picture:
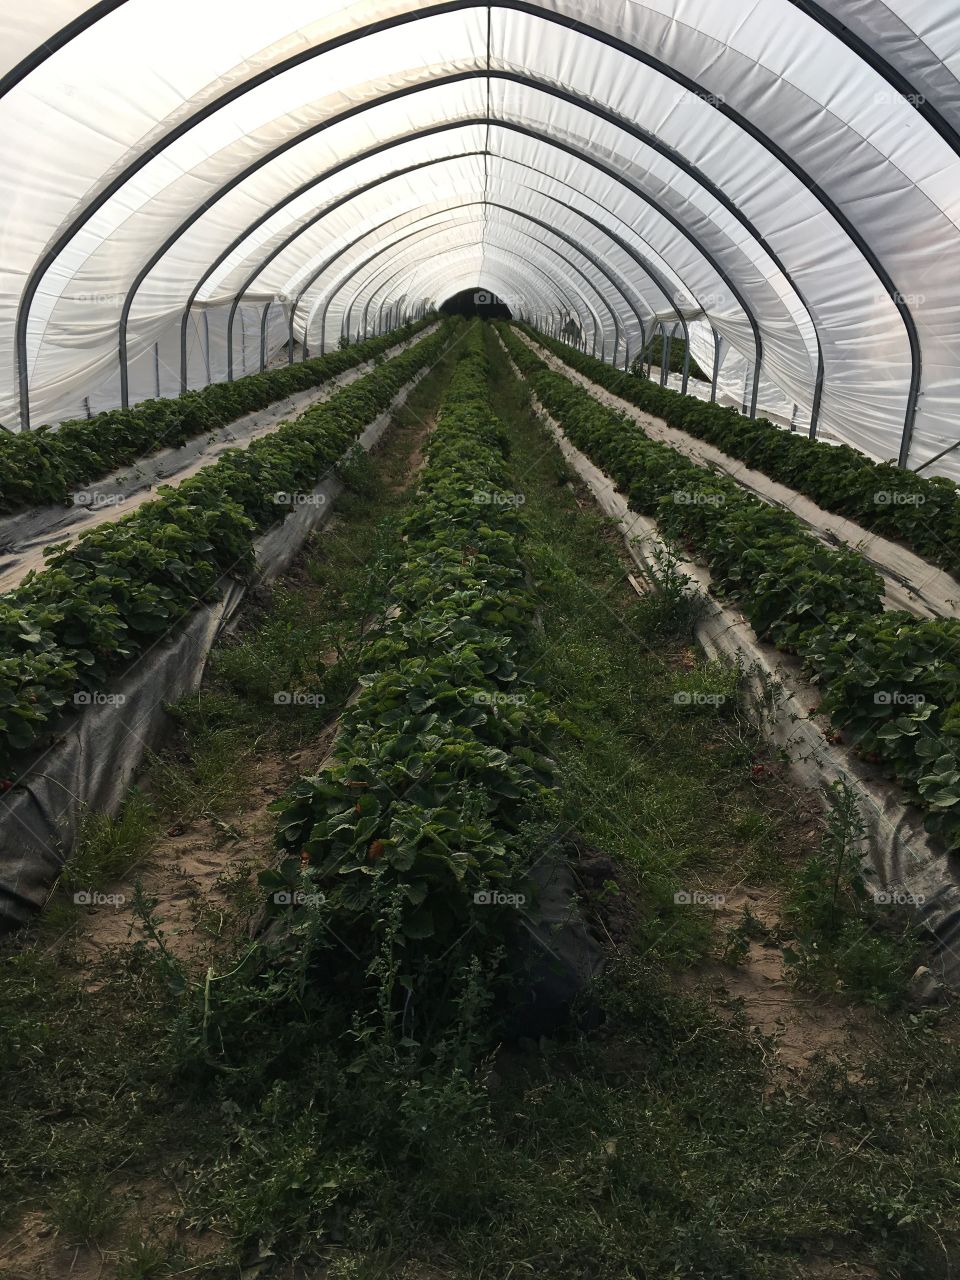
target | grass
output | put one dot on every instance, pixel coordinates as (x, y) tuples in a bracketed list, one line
[(666, 1144), (657, 765)]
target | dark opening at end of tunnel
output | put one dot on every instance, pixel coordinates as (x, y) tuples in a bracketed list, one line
[(476, 302)]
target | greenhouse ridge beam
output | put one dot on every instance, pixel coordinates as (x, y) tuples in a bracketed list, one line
[(617, 121), (564, 303), (458, 77), (394, 95), (454, 6), (262, 266)]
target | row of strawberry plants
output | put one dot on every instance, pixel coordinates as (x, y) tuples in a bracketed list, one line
[(414, 832), (923, 513), (48, 464), (103, 601), (890, 679)]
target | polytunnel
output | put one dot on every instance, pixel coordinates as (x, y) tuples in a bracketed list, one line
[(480, 639), (779, 175)]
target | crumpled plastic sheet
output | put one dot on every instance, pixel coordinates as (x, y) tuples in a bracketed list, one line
[(90, 767), (900, 858)]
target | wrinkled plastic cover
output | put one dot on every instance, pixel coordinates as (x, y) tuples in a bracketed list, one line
[(396, 153)]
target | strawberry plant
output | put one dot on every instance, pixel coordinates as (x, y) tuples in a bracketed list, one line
[(45, 465), (920, 511), (437, 769), (891, 681), (105, 599)]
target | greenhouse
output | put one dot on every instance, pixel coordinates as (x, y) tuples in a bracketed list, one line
[(480, 639)]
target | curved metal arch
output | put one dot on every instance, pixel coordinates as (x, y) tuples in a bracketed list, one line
[(560, 235), (620, 289), (594, 262), (591, 108), (449, 6), (37, 57), (626, 126), (446, 126), (458, 77), (407, 268), (387, 246), (636, 191), (323, 267), (290, 239), (617, 287), (564, 302), (553, 289), (877, 62), (500, 249), (328, 209)]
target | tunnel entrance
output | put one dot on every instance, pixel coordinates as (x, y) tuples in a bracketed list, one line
[(476, 302)]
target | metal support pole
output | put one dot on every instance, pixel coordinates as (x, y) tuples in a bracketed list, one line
[(716, 365)]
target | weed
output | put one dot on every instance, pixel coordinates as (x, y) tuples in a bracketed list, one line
[(842, 941)]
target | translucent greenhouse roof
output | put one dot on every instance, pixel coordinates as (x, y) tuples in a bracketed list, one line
[(185, 185)]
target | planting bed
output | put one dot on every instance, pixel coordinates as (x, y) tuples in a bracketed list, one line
[(321, 1062), (890, 679), (145, 598)]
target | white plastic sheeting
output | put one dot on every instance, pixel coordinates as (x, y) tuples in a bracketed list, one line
[(784, 171)]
